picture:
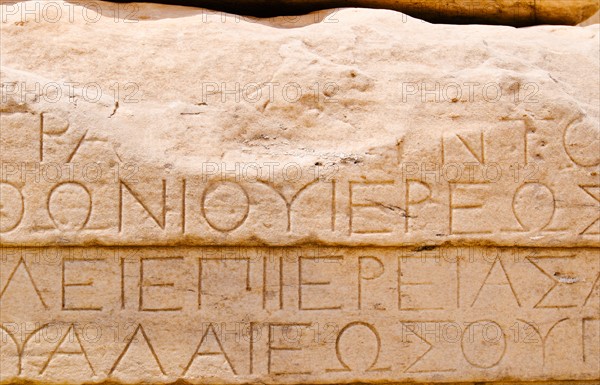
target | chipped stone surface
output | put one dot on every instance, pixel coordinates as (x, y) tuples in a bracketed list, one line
[(371, 197)]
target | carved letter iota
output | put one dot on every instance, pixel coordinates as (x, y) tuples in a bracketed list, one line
[(367, 314)]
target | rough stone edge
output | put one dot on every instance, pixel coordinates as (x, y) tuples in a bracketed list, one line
[(184, 382)]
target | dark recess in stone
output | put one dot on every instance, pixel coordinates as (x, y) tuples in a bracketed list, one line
[(272, 8)]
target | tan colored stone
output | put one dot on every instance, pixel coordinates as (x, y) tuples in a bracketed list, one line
[(424, 207), (595, 19), (506, 12), (317, 314)]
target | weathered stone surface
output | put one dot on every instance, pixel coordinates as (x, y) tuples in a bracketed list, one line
[(506, 12), (316, 314), (374, 198)]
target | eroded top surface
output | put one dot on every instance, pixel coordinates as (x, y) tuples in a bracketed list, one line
[(149, 124)]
